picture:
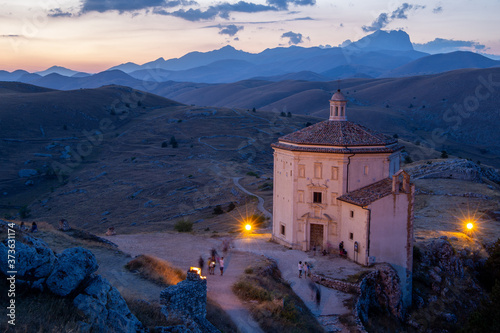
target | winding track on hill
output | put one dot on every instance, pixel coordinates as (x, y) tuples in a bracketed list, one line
[(260, 205)]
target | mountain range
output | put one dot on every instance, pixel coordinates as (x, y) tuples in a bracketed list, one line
[(381, 54)]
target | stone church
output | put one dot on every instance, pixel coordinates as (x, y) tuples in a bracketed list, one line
[(337, 181)]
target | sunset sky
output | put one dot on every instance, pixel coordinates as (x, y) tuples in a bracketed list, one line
[(93, 35)]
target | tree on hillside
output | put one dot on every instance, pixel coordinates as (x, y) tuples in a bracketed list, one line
[(444, 154), (173, 142)]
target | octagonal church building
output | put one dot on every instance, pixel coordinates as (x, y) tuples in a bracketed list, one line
[(337, 181)]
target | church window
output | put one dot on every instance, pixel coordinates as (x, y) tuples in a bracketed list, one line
[(282, 229), (336, 111), (317, 170), (302, 171), (352, 213), (351, 236), (335, 173), (334, 198), (317, 197), (301, 196), (365, 171)]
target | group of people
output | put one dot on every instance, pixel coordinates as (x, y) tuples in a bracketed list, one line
[(34, 227), (306, 268), (214, 258)]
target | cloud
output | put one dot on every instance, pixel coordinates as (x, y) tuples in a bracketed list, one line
[(440, 45), (230, 30), (221, 10), (57, 12), (294, 38), (187, 10), (131, 5), (385, 18), (283, 4), (437, 10), (11, 36)]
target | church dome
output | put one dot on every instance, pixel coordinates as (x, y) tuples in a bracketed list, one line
[(338, 133), (338, 96)]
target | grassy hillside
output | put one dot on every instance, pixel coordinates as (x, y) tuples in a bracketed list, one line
[(440, 111)]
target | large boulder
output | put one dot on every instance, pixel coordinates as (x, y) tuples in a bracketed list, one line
[(381, 290), (105, 308), (72, 267), (34, 259), (25, 173)]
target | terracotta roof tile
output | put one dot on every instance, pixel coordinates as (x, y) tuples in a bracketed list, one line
[(368, 194), (338, 133)]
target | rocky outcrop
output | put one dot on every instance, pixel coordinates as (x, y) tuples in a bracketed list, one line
[(72, 267), (455, 169), (70, 274), (187, 300), (442, 256), (381, 290), (105, 308), (25, 173)]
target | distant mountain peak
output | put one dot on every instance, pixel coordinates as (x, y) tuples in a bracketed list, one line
[(393, 40), (57, 69)]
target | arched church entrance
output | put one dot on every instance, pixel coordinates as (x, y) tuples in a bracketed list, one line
[(316, 236)]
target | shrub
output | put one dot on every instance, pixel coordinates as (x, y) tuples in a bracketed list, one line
[(408, 159), (183, 226), (218, 210), (24, 212), (289, 114), (251, 173), (250, 291), (164, 144), (283, 114), (156, 270), (444, 154), (231, 206), (173, 142)]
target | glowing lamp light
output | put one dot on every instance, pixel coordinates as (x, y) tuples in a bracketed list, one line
[(470, 226), (248, 227)]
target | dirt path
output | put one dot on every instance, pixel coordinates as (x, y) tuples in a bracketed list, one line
[(184, 250), (332, 301), (260, 205)]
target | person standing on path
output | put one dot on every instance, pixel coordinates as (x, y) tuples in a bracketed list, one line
[(318, 297), (306, 269), (221, 264), (201, 262), (300, 269)]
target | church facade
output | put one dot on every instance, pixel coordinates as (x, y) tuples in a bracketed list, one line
[(337, 181)]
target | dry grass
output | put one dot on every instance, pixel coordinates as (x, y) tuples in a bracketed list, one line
[(41, 312), (272, 302), (157, 270), (150, 315)]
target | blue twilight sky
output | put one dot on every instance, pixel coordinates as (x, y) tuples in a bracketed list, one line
[(93, 35)]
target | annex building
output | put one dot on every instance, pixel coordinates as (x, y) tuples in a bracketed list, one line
[(337, 181)]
